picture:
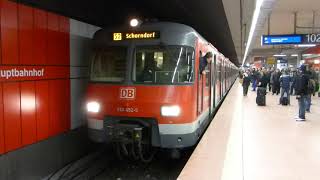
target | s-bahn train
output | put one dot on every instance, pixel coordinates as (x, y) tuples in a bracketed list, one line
[(145, 87)]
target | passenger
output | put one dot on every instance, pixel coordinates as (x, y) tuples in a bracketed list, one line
[(293, 82), (301, 87), (263, 81), (204, 61), (255, 77), (276, 82), (285, 85), (246, 83), (318, 87), (269, 78), (314, 76), (311, 90)]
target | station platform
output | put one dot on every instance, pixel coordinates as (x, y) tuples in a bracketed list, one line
[(250, 142)]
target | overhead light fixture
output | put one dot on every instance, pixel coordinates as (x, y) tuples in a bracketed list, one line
[(252, 28), (279, 55), (306, 45), (294, 55), (307, 55), (134, 22)]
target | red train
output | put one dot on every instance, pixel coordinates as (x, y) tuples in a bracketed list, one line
[(145, 88)]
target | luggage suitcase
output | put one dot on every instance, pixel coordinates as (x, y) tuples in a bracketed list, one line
[(284, 100), (261, 96)]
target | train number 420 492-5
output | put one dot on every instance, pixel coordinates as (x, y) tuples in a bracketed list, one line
[(128, 109)]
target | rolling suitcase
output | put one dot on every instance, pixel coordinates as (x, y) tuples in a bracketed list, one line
[(261, 96), (284, 100)]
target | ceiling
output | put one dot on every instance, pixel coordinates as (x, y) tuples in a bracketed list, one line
[(239, 22), (282, 22), (206, 16)]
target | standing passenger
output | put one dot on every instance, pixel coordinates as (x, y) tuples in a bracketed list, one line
[(285, 85), (302, 92), (311, 90), (246, 83)]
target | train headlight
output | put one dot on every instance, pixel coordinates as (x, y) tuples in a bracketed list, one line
[(93, 107), (170, 111)]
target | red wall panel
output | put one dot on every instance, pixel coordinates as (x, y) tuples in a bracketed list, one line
[(9, 32), (28, 113), (33, 108), (1, 122), (55, 104), (64, 27), (53, 39), (11, 111), (67, 106), (40, 37), (42, 104), (25, 24)]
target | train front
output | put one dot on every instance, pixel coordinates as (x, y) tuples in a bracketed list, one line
[(141, 90)]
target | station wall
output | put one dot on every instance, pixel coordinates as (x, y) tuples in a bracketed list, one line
[(43, 74)]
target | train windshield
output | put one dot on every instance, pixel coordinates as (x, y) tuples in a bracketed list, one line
[(164, 65), (109, 65)]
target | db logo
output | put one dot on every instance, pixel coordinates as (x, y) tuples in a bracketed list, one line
[(127, 93)]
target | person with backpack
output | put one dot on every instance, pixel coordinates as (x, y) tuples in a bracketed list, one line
[(311, 90), (285, 88), (301, 88)]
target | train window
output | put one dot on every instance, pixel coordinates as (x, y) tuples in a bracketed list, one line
[(164, 65), (109, 65)]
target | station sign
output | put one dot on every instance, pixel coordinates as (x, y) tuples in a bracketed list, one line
[(271, 60), (120, 36), (290, 39)]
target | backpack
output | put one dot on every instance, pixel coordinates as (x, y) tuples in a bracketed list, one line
[(311, 85)]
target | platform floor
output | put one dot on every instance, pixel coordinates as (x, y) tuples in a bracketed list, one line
[(249, 142)]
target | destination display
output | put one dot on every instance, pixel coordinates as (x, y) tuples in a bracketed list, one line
[(290, 39), (120, 36)]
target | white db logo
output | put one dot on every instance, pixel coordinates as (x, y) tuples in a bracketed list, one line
[(127, 93)]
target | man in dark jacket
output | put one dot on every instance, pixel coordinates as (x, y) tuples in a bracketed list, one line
[(276, 82), (204, 61), (263, 81), (255, 78), (301, 87), (285, 85), (246, 83), (293, 82)]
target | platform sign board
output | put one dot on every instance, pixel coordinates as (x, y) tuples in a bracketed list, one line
[(290, 39), (281, 39), (271, 60)]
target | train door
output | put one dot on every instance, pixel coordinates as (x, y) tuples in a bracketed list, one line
[(204, 88), (201, 86), (218, 80), (213, 84)]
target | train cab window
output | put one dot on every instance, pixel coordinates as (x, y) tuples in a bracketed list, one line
[(109, 65), (163, 65)]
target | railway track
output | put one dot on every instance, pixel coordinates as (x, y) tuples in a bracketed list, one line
[(104, 164)]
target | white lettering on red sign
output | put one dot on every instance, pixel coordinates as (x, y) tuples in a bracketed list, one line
[(11, 73), (127, 93)]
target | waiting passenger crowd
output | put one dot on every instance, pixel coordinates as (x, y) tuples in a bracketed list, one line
[(302, 82)]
